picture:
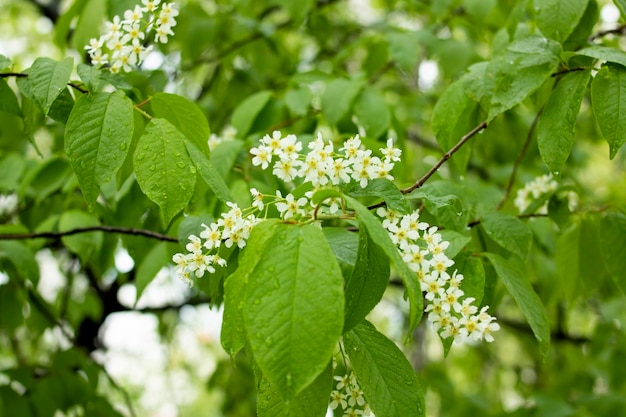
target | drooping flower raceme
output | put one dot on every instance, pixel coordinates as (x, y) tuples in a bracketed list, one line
[(123, 45), (349, 397), (536, 188)]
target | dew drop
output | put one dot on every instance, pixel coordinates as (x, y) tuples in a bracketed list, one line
[(123, 146), (152, 167), (177, 154), (141, 156), (180, 164), (270, 269), (289, 381), (192, 169), (269, 341), (257, 301), (145, 147)]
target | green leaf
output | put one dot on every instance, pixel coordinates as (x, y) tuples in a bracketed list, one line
[(621, 5), (580, 35), (90, 19), (86, 244), (519, 71), (604, 53), (557, 18), (555, 130), (405, 49), (385, 189), (223, 157), (62, 26), (344, 244), (311, 401), (185, 115), (384, 374), (247, 111), (62, 107), (338, 97), (512, 274), (47, 178), (372, 112), (509, 232), (368, 282), (90, 76), (208, 173), (22, 259), (473, 284), (457, 241), (294, 305), (382, 239), (8, 100), (299, 101), (48, 78), (156, 259), (608, 96), (163, 167), (5, 63), (98, 134), (612, 232)]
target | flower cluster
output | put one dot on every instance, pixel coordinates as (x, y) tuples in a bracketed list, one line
[(538, 187), (122, 46), (349, 396), (203, 252), (8, 204), (321, 165), (423, 249), (228, 134)]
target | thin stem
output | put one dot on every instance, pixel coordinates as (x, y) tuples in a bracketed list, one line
[(568, 70), (445, 157), (143, 113), (78, 230), (78, 88), (620, 30), (12, 74)]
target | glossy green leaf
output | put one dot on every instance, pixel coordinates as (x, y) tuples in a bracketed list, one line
[(312, 401), (513, 275), (338, 97), (209, 173), (613, 244), (48, 78), (22, 258), (404, 48), (8, 100), (381, 237), (5, 63), (385, 189), (62, 107), (621, 5), (608, 96), (604, 53), (185, 115), (384, 374), (473, 284), (149, 267), (293, 309), (299, 101), (372, 112), (368, 282), (87, 244), (247, 111), (90, 76), (457, 241), (555, 130), (558, 18), (163, 167), (97, 138), (509, 232)]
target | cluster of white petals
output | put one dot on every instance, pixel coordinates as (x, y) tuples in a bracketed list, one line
[(228, 134), (122, 45), (349, 397), (8, 204), (203, 252), (538, 187), (450, 313)]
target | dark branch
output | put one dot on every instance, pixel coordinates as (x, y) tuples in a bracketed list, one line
[(78, 88), (558, 335), (12, 74), (620, 30), (521, 216), (568, 70), (103, 228)]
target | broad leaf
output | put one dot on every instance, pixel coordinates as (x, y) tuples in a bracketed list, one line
[(372, 112), (246, 112), (608, 96), (385, 375), (558, 18), (293, 309), (85, 245), (208, 173), (621, 5), (512, 274), (8, 100), (368, 282), (509, 232), (22, 258), (604, 53), (47, 79), (338, 98), (90, 76), (163, 167), (385, 189), (382, 239), (150, 266), (555, 130), (612, 232), (97, 138), (185, 115), (299, 101)]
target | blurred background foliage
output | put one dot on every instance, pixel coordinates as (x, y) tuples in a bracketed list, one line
[(341, 67)]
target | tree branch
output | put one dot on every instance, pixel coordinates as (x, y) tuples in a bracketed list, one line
[(12, 74), (558, 335), (78, 230), (620, 30), (445, 157)]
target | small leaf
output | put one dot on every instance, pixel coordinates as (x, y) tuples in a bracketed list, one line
[(22, 259), (185, 115), (457, 241), (604, 53), (555, 130), (5, 63), (558, 18), (384, 374), (299, 101), (163, 167), (293, 308), (385, 189), (8, 100), (246, 112), (381, 237), (223, 157), (85, 245), (372, 112), (608, 96), (512, 274), (150, 266), (47, 79), (90, 76), (612, 232), (509, 232), (368, 282), (338, 97), (97, 137), (208, 173), (621, 5)]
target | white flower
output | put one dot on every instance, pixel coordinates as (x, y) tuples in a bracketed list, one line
[(257, 199), (291, 207), (390, 153), (133, 16), (285, 170), (262, 156), (213, 236), (150, 5), (194, 245)]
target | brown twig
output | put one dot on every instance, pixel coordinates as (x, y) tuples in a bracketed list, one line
[(78, 230), (12, 74), (620, 30)]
